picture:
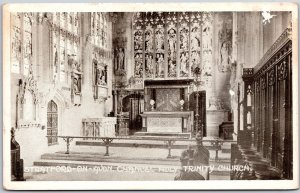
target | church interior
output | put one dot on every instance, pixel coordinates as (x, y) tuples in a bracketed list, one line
[(149, 88)]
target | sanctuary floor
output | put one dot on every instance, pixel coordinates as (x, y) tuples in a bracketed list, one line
[(89, 162)]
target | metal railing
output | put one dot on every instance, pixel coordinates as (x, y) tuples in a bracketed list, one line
[(216, 144)]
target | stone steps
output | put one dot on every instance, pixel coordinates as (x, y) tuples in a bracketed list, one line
[(101, 158), (91, 154), (82, 156), (92, 161)]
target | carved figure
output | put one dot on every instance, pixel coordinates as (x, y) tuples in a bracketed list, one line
[(195, 39), (76, 85), (172, 42), (138, 65), (183, 63), (148, 41), (172, 67), (120, 59), (184, 39), (76, 67), (159, 40), (225, 55), (137, 40), (206, 38), (101, 76), (160, 63), (149, 62)]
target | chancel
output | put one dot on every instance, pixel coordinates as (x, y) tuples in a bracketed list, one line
[(145, 84)]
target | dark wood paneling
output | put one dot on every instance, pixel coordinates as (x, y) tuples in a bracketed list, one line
[(271, 127)]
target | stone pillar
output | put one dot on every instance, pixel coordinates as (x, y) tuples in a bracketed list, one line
[(234, 82), (87, 58)]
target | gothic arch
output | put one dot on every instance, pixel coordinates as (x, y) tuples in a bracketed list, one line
[(58, 97)]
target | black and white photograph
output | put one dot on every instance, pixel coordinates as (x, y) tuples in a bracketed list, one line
[(150, 96)]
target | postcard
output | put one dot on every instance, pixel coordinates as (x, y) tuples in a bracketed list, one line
[(150, 96)]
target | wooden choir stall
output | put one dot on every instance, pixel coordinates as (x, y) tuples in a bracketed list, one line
[(265, 115)]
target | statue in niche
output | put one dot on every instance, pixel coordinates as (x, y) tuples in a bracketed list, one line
[(148, 41), (184, 39), (138, 69), (138, 65), (225, 38), (138, 40), (119, 59), (184, 63), (172, 42), (195, 59), (206, 38), (195, 39), (160, 64), (172, 67), (159, 40), (149, 63), (100, 76), (76, 67), (225, 52), (76, 74)]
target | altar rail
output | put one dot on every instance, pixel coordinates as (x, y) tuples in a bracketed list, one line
[(214, 144), (267, 106)]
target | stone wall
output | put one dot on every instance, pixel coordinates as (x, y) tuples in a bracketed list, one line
[(31, 134), (252, 39)]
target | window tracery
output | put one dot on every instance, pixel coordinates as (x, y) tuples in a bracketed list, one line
[(99, 27), (65, 44), (101, 54), (21, 43)]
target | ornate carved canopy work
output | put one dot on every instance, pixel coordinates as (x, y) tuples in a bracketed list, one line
[(28, 85), (172, 44), (27, 100)]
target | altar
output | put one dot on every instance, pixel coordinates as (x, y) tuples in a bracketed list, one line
[(167, 122)]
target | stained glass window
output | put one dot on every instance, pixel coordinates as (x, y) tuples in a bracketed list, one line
[(99, 27), (65, 43), (16, 43)]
